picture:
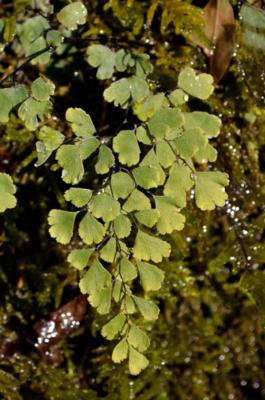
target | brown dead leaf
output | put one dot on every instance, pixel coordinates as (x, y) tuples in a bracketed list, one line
[(220, 28)]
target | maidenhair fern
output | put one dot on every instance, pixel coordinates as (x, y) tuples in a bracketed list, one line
[(142, 178), (146, 175)]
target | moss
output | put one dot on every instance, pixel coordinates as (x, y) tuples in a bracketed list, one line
[(209, 341)]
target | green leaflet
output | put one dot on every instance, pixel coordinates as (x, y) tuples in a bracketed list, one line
[(209, 189), (142, 135), (31, 36), (39, 46), (190, 142), (108, 252), (166, 123), (72, 15), (170, 218), (122, 226), (208, 123), (7, 191), (88, 146), (147, 176), (42, 88), (103, 58), (62, 225), (147, 247), (126, 145), (78, 197), (32, 29), (31, 111), (113, 327), (150, 106), (178, 97), (105, 160), (49, 141), (81, 122), (139, 89), (10, 98), (138, 338), (165, 154), (79, 258), (147, 217), (90, 230), (104, 206), (117, 292), (205, 154), (147, 308), (137, 361), (200, 86), (106, 60), (69, 158), (120, 351), (178, 183), (128, 305), (122, 185), (101, 300), (151, 161), (143, 65), (151, 277), (123, 60), (95, 279), (124, 248), (127, 270), (137, 201), (121, 91), (50, 138)]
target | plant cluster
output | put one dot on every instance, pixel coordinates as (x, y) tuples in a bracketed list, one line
[(134, 181), (115, 142)]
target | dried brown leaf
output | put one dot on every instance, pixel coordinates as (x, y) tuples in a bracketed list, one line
[(220, 28)]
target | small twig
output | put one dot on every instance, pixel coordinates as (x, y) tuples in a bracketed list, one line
[(28, 59)]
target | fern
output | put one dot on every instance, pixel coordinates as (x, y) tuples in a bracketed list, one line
[(144, 175)]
